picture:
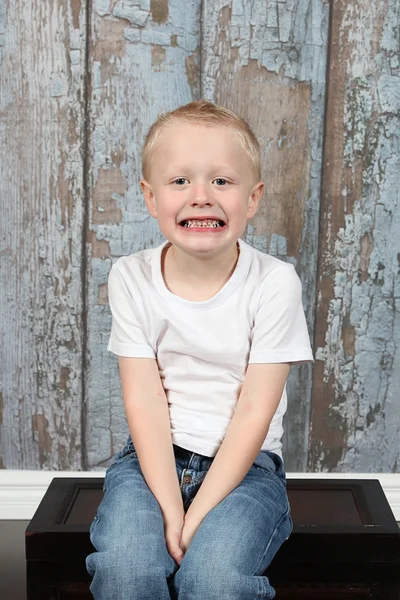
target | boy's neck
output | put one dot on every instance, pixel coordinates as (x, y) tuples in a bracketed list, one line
[(179, 268)]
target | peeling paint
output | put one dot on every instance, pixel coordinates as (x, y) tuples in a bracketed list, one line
[(64, 377), (159, 10), (102, 7), (357, 326), (109, 182), (134, 69), (132, 35), (76, 7), (325, 453), (102, 298), (159, 38), (100, 248), (158, 56), (58, 85), (366, 247), (41, 97), (109, 44), (349, 337), (3, 18), (192, 70), (282, 209), (277, 83), (268, 62), (130, 11), (41, 435)]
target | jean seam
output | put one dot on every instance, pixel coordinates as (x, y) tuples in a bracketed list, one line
[(263, 587), (278, 524), (272, 474), (94, 525), (121, 458)]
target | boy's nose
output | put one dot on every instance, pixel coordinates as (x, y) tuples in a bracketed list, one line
[(201, 202), (200, 192), (201, 197)]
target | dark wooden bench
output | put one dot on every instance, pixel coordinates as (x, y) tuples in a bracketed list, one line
[(345, 542)]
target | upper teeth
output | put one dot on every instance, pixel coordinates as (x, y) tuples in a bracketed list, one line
[(202, 223)]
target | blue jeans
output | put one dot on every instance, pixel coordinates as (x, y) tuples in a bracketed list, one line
[(228, 555)]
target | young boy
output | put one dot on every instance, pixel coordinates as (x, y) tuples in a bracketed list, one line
[(205, 328)]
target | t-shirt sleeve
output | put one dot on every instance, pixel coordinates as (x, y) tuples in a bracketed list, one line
[(128, 337), (280, 332)]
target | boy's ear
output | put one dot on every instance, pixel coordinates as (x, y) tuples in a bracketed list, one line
[(149, 197), (254, 199)]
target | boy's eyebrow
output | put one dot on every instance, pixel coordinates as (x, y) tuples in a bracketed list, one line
[(187, 168)]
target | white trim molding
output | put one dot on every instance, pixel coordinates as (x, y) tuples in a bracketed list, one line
[(22, 491)]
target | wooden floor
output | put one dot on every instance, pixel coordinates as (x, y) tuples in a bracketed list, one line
[(12, 560)]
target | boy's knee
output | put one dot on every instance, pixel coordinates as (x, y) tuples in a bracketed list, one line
[(210, 579)]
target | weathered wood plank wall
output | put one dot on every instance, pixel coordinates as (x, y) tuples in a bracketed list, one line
[(355, 414), (41, 192), (144, 60), (267, 61)]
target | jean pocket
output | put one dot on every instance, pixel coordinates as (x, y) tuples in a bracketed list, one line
[(271, 463), (127, 450)]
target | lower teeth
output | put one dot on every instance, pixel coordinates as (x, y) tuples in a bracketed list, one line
[(201, 226)]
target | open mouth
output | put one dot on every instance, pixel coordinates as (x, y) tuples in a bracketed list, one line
[(202, 224)]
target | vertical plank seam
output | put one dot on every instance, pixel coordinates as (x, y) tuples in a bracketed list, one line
[(85, 226), (321, 216)]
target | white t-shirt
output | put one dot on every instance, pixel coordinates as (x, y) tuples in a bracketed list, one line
[(203, 348)]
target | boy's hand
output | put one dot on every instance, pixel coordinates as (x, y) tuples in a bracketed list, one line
[(173, 526), (189, 530), (179, 532)]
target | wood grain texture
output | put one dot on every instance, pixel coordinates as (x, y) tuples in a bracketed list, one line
[(267, 62), (355, 422), (67, 182), (41, 122), (145, 60)]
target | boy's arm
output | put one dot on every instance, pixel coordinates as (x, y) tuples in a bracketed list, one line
[(147, 413), (261, 392)]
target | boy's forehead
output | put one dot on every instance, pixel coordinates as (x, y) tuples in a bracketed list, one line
[(171, 166), (184, 142), (182, 129)]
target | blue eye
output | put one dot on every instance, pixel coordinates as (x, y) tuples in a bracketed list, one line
[(180, 179), (220, 179)]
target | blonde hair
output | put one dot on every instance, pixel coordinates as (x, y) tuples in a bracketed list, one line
[(203, 112)]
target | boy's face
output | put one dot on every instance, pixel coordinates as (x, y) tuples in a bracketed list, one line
[(200, 171)]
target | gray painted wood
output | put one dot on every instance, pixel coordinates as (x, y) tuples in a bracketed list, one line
[(144, 61), (41, 187), (251, 58), (267, 62), (355, 410)]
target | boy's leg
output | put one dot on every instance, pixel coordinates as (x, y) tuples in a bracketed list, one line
[(237, 540), (132, 561)]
